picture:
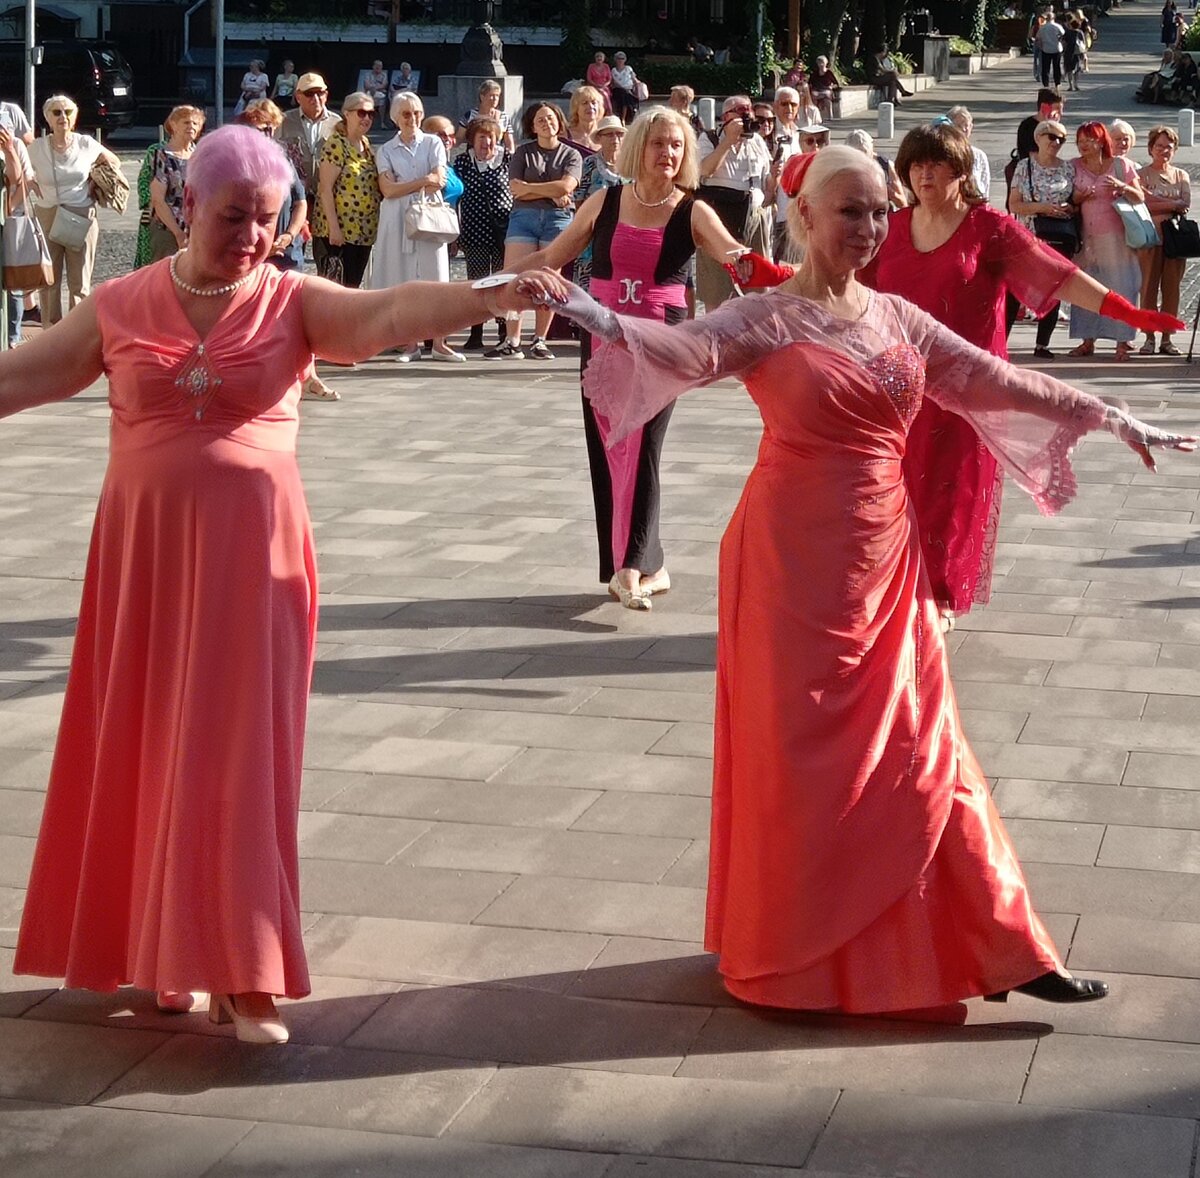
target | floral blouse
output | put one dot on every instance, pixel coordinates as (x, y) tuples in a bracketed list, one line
[(170, 171), (1034, 183), (355, 192)]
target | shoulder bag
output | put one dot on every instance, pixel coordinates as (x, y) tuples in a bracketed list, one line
[(1180, 237), (1060, 233), (1140, 232), (70, 226), (27, 264), (429, 218)]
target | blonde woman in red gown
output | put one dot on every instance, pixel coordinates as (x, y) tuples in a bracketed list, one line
[(857, 861), (167, 856), (956, 258)]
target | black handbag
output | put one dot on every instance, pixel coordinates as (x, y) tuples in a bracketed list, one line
[(1180, 237), (1062, 233)]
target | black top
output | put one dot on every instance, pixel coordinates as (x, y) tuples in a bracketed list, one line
[(677, 244)]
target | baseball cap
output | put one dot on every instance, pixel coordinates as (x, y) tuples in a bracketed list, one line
[(311, 82)]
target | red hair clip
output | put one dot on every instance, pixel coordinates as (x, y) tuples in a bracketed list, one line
[(794, 172)]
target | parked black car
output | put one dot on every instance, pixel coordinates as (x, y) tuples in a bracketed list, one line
[(93, 73)]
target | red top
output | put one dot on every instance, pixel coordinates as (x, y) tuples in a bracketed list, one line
[(962, 283)]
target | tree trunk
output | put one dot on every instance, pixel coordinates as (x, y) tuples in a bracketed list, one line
[(822, 24), (873, 29), (893, 17)]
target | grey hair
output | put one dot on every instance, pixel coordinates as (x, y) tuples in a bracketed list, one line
[(787, 92), (404, 100), (735, 100), (1123, 126), (861, 141)]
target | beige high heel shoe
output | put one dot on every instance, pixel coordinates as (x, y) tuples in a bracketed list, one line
[(270, 1029)]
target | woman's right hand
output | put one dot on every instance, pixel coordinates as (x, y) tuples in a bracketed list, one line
[(336, 237)]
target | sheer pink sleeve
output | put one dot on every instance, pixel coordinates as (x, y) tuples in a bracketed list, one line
[(1028, 420), (630, 381), (1032, 271)]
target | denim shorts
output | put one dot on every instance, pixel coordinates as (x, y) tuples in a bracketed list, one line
[(536, 226)]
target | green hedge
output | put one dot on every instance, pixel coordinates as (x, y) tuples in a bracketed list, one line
[(703, 77)]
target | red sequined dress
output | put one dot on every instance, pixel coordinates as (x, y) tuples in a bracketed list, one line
[(857, 860), (954, 481)]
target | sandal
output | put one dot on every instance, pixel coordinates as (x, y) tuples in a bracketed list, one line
[(1124, 351), (315, 389), (1167, 348), (1147, 349), (1087, 348)]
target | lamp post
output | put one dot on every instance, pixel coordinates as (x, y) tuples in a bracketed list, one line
[(30, 43), (219, 61)]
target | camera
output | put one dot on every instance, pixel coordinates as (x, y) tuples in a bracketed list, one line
[(747, 126)]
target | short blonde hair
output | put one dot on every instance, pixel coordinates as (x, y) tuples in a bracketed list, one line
[(404, 100), (637, 134), (185, 110), (60, 100), (262, 112), (1050, 125), (829, 162), (579, 96), (684, 92)]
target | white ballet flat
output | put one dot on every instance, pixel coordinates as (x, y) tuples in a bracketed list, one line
[(221, 1009), (629, 598), (659, 582)]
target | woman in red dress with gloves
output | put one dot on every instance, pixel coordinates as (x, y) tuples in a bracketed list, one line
[(956, 258)]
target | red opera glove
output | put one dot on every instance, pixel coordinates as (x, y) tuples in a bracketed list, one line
[(1116, 307), (753, 270)]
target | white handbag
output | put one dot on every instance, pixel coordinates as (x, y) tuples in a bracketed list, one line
[(430, 219), (70, 227), (27, 264)]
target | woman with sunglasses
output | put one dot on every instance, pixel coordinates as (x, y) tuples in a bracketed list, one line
[(956, 258), (1040, 196), (62, 162), (412, 166), (346, 219)]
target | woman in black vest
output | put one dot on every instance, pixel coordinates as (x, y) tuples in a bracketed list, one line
[(642, 235)]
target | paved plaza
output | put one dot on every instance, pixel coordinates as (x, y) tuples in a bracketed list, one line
[(506, 806)]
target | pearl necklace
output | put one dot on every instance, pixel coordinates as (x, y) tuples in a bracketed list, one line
[(652, 204), (210, 292)]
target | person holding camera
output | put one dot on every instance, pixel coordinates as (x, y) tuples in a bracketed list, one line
[(735, 167)]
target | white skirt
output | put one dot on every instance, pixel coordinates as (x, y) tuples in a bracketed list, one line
[(396, 259)]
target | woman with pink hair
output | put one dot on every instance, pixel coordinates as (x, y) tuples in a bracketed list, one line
[(167, 857)]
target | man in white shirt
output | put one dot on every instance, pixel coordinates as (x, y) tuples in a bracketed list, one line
[(1050, 39), (13, 120), (735, 166), (981, 168)]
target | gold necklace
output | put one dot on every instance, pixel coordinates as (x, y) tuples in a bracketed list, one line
[(652, 204)]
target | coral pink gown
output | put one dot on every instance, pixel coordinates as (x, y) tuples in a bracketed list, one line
[(167, 856), (954, 481), (857, 861)]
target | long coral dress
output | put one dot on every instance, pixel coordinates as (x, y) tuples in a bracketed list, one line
[(955, 483), (167, 856), (857, 861)]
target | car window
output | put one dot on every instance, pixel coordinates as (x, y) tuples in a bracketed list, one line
[(108, 59)]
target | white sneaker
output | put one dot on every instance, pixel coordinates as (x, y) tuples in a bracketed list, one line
[(449, 356)]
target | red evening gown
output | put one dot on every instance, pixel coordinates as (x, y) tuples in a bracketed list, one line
[(167, 856), (953, 480), (857, 861)]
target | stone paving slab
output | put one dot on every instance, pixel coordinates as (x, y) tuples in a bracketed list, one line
[(505, 810)]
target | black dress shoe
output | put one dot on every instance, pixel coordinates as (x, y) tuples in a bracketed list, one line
[(1055, 987)]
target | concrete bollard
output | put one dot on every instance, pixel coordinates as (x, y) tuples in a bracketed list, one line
[(1187, 127), (706, 108), (887, 121)]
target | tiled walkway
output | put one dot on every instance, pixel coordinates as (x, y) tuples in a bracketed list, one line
[(505, 813)]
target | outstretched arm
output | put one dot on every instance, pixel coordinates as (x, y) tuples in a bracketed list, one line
[(60, 362), (343, 325)]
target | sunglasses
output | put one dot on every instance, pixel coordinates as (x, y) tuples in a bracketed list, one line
[(364, 113), (812, 140), (58, 112), (764, 120), (1055, 138), (314, 93)]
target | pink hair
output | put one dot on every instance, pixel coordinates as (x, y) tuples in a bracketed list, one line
[(237, 155)]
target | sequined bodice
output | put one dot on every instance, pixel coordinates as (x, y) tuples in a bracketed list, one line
[(814, 398)]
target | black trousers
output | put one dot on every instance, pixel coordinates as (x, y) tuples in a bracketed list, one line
[(1051, 60), (1046, 324), (354, 259), (644, 550)]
